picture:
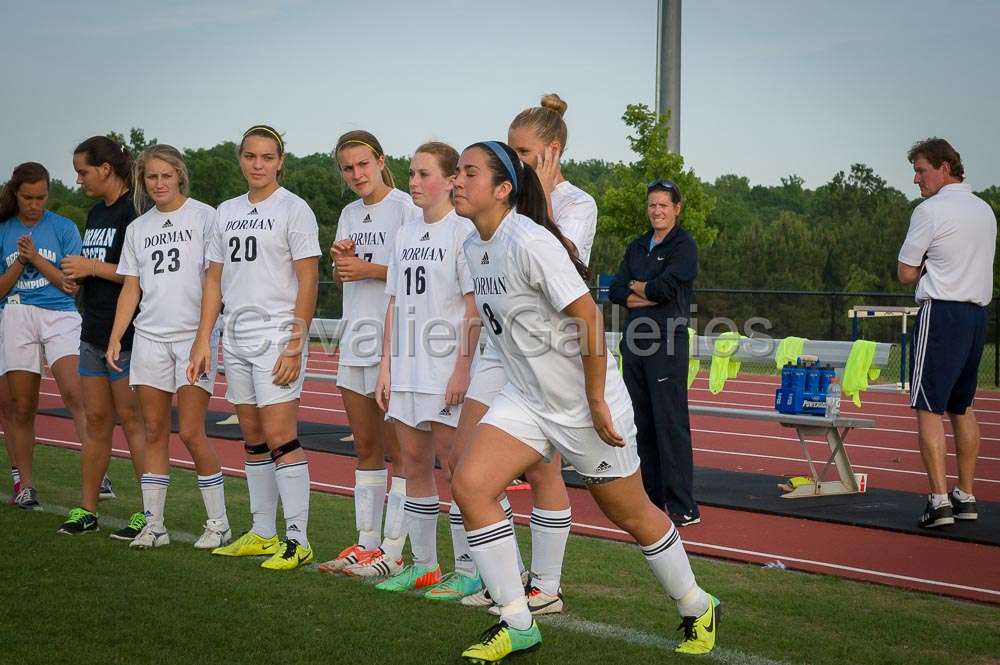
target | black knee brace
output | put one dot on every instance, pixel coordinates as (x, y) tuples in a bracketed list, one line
[(258, 449), (284, 449)]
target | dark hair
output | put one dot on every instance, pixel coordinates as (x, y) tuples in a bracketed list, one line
[(528, 198), (368, 140), (663, 185), (266, 132), (24, 174), (936, 151), (102, 150)]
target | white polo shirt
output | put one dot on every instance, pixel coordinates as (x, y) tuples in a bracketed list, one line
[(957, 233)]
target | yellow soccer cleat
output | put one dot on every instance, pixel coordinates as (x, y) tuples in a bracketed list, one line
[(700, 632), (290, 555), (500, 640), (249, 544)]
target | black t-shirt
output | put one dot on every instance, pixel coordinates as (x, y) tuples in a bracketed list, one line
[(103, 238)]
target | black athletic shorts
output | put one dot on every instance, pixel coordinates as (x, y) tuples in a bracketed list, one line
[(948, 340)]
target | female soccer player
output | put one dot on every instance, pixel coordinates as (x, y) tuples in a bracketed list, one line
[(163, 262), (40, 315), (361, 253), (538, 135), (427, 350), (263, 267), (562, 395)]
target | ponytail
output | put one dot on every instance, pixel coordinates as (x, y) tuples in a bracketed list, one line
[(526, 196), (24, 174), (102, 150)]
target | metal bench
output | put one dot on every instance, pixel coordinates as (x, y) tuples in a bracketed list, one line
[(833, 430)]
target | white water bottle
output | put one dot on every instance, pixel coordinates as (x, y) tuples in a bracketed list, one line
[(833, 399)]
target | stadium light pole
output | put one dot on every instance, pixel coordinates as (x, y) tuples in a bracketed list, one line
[(668, 67)]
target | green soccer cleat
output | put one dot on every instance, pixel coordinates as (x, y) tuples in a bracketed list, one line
[(79, 521), (454, 586), (500, 640), (410, 578), (290, 555), (700, 632), (249, 544), (132, 529)]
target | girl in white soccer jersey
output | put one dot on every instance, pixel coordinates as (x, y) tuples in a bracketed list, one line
[(263, 267), (361, 253), (163, 262), (538, 135), (563, 394), (427, 351), (40, 315)]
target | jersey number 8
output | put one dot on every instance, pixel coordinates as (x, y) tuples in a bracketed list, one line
[(491, 317)]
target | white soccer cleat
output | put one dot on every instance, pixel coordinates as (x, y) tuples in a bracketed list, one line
[(374, 563), (539, 602), (217, 533), (482, 597), (148, 539)]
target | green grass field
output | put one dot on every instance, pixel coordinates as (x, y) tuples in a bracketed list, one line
[(89, 599)]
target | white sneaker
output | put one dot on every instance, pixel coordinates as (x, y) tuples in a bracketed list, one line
[(539, 602), (374, 563), (482, 597), (148, 539), (217, 533)]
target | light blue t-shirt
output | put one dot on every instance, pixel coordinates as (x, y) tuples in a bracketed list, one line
[(55, 237)]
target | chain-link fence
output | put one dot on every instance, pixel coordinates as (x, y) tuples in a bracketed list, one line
[(817, 315)]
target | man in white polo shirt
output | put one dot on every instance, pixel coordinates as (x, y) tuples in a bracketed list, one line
[(948, 253)]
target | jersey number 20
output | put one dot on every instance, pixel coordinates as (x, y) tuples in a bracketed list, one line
[(249, 252)]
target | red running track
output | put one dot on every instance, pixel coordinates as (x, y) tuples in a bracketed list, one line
[(888, 454)]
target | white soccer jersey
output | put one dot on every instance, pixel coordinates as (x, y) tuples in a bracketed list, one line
[(523, 278), (373, 229), (429, 278), (575, 214), (256, 243), (166, 251)]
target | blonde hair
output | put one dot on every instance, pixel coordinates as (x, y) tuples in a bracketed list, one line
[(446, 156), (545, 120), (368, 140), (167, 153)]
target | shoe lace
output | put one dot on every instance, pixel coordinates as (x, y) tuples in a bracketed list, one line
[(687, 625), (492, 632), (290, 547), (77, 514), (215, 526), (137, 521)]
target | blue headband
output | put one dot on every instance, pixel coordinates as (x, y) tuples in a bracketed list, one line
[(505, 160)]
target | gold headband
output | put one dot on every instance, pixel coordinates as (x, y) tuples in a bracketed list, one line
[(262, 128), (367, 145)]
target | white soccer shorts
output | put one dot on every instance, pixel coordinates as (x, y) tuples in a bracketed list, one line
[(29, 331)]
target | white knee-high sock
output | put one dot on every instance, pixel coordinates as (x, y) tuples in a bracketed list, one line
[(293, 486), (496, 557), (263, 496), (549, 533), (509, 512), (672, 569), (154, 496), (460, 543), (213, 494), (394, 532), (421, 527), (369, 502)]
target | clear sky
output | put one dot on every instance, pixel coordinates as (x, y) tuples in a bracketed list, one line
[(769, 87)]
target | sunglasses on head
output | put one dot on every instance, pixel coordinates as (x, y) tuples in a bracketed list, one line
[(662, 184)]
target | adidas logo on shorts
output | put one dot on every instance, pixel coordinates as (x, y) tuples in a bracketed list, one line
[(465, 557), (367, 219), (167, 224), (446, 411), (486, 259), (285, 386), (254, 211), (427, 236), (602, 467)]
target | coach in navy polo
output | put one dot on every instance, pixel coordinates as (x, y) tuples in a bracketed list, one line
[(948, 253)]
